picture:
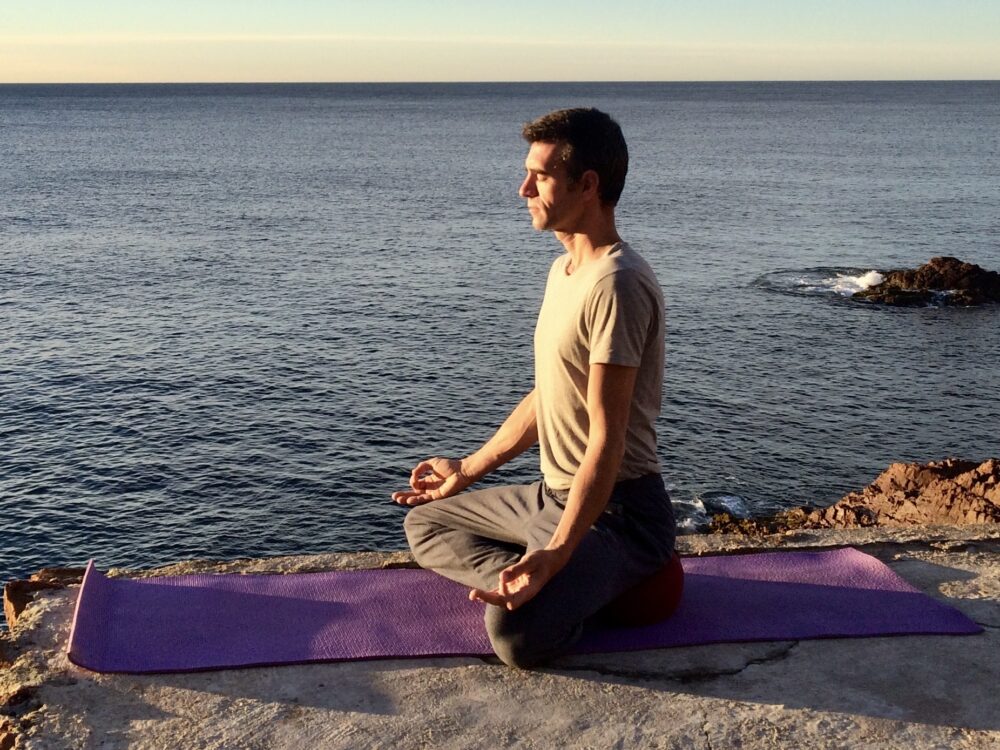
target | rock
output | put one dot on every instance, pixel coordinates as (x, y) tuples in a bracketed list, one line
[(15, 703), (18, 594), (786, 520), (60, 576), (8, 739), (952, 491), (944, 492), (724, 502), (944, 281), (17, 700)]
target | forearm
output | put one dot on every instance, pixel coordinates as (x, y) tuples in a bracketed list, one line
[(588, 495), (516, 435), (609, 398), (609, 395)]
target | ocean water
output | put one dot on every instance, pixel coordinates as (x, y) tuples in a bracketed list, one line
[(233, 317)]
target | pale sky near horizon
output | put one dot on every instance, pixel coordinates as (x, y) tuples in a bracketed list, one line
[(62, 41)]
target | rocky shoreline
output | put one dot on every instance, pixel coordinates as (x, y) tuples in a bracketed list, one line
[(889, 692), (952, 491), (912, 692)]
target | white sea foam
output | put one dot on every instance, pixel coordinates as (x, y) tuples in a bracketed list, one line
[(846, 285), (721, 502), (691, 515)]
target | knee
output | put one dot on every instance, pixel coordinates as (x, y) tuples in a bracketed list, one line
[(517, 643), (415, 525), (419, 527), (510, 642)]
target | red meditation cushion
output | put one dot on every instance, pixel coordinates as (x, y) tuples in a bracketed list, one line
[(651, 600)]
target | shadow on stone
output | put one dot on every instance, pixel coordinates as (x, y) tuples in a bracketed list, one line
[(935, 680)]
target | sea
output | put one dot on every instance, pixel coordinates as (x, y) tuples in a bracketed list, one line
[(233, 317)]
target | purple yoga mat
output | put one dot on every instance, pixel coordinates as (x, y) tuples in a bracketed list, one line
[(196, 622)]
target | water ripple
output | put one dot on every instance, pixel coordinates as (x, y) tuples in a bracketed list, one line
[(227, 332)]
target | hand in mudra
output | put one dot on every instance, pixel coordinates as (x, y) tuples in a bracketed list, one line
[(433, 479), (521, 581)]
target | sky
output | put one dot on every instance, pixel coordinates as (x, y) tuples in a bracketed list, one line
[(70, 41)]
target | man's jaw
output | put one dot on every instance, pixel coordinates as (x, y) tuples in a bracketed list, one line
[(537, 217)]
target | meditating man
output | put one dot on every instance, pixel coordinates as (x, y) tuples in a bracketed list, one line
[(548, 556)]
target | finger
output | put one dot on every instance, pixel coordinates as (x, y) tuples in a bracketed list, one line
[(420, 471), (423, 467), (519, 597), (522, 569), (487, 597), (419, 499), (519, 590), (511, 583), (408, 497)]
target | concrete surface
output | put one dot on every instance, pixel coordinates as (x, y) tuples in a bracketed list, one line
[(904, 692)]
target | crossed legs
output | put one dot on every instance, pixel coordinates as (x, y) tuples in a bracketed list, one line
[(471, 537)]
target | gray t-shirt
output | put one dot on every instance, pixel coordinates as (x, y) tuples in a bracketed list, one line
[(608, 311)]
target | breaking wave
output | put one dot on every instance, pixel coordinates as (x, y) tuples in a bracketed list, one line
[(827, 282)]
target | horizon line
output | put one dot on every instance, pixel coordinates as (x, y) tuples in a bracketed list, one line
[(498, 82)]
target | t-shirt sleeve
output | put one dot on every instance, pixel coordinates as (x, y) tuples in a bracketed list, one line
[(620, 313)]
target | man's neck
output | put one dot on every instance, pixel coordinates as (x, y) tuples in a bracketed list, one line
[(584, 247)]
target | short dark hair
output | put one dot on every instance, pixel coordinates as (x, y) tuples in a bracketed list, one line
[(591, 140)]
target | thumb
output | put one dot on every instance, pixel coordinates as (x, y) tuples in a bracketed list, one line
[(514, 571)]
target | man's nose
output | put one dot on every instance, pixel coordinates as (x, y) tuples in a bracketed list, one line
[(527, 189)]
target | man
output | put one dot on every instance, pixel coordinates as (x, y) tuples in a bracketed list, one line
[(548, 556)]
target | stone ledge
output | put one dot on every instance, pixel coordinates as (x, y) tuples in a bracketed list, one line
[(18, 594), (907, 692), (862, 538)]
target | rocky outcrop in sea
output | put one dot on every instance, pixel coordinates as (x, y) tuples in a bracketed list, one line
[(942, 281), (952, 491)]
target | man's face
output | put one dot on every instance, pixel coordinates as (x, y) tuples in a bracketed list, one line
[(553, 198)]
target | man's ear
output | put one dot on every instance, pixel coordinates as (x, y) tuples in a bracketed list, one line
[(589, 181)]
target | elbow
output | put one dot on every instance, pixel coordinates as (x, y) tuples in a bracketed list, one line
[(607, 450)]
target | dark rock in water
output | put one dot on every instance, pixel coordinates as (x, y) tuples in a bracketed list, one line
[(724, 502), (942, 281)]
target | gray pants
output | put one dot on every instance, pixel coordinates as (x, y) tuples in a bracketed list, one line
[(471, 537)]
